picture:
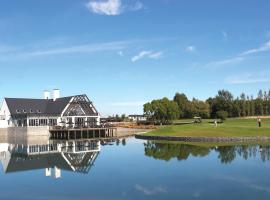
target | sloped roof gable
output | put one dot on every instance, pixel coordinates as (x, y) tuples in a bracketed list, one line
[(37, 106)]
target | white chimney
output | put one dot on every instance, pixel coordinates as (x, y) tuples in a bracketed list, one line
[(56, 94), (48, 172), (46, 94), (57, 172)]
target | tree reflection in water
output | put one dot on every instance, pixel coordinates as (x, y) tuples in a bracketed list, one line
[(226, 154)]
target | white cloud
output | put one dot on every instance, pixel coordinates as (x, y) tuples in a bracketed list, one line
[(190, 49), (85, 48), (112, 7), (43, 48), (240, 57), (147, 54), (263, 48), (150, 191), (248, 78), (229, 61)]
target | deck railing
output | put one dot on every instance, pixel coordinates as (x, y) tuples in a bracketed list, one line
[(80, 127)]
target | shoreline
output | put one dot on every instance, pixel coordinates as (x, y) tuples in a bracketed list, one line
[(203, 139)]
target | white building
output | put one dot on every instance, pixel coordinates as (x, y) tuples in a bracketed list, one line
[(137, 118), (76, 155), (72, 111)]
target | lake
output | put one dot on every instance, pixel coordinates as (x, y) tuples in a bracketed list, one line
[(133, 169)]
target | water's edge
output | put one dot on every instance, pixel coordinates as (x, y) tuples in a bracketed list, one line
[(204, 139)]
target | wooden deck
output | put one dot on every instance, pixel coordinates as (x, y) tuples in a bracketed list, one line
[(82, 133)]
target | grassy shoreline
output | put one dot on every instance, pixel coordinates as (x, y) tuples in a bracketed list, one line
[(230, 128)]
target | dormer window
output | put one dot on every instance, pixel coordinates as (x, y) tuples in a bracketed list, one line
[(18, 111), (31, 111), (38, 111), (24, 111)]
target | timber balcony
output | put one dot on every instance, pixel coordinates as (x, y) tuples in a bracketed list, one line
[(67, 133)]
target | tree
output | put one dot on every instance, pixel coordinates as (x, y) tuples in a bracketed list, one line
[(161, 110), (200, 108), (222, 102), (182, 101), (260, 94), (243, 104), (222, 115)]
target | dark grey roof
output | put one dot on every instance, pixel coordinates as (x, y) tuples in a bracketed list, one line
[(37, 106)]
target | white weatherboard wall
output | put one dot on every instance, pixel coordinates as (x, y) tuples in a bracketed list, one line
[(4, 115)]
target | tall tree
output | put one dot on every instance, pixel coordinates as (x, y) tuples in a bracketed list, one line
[(183, 104)]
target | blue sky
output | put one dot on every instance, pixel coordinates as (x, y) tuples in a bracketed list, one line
[(123, 53)]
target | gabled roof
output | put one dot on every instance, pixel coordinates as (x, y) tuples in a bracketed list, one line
[(18, 162), (37, 106)]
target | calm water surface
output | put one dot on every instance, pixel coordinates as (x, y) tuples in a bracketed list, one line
[(133, 169)]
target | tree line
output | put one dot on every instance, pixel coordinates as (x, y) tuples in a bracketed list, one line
[(221, 106), (226, 154)]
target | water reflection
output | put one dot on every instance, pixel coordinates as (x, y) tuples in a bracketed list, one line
[(52, 156), (226, 154)]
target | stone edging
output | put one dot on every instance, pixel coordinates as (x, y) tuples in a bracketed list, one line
[(204, 139)]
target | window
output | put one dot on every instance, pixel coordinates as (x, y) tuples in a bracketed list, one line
[(43, 122), (36, 122), (31, 122), (52, 122)]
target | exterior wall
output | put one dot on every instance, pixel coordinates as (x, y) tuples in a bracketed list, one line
[(137, 118), (4, 116), (25, 131)]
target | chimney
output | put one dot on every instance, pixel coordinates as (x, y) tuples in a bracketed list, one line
[(57, 172), (48, 172), (46, 94), (56, 94)]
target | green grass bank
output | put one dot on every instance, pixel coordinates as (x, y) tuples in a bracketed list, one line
[(230, 128)]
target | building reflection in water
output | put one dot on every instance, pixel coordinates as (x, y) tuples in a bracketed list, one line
[(52, 156)]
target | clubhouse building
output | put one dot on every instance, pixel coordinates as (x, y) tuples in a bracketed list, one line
[(72, 111)]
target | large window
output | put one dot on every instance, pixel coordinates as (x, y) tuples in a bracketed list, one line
[(43, 122), (52, 122)]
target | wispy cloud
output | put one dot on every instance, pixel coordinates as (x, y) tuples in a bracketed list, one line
[(62, 47), (190, 49), (111, 7), (225, 35), (22, 53), (150, 191), (240, 57), (263, 48), (120, 53), (147, 54), (130, 103), (248, 78), (6, 49), (247, 183), (229, 61)]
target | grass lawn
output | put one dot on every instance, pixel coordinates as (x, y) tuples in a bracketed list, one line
[(230, 128)]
